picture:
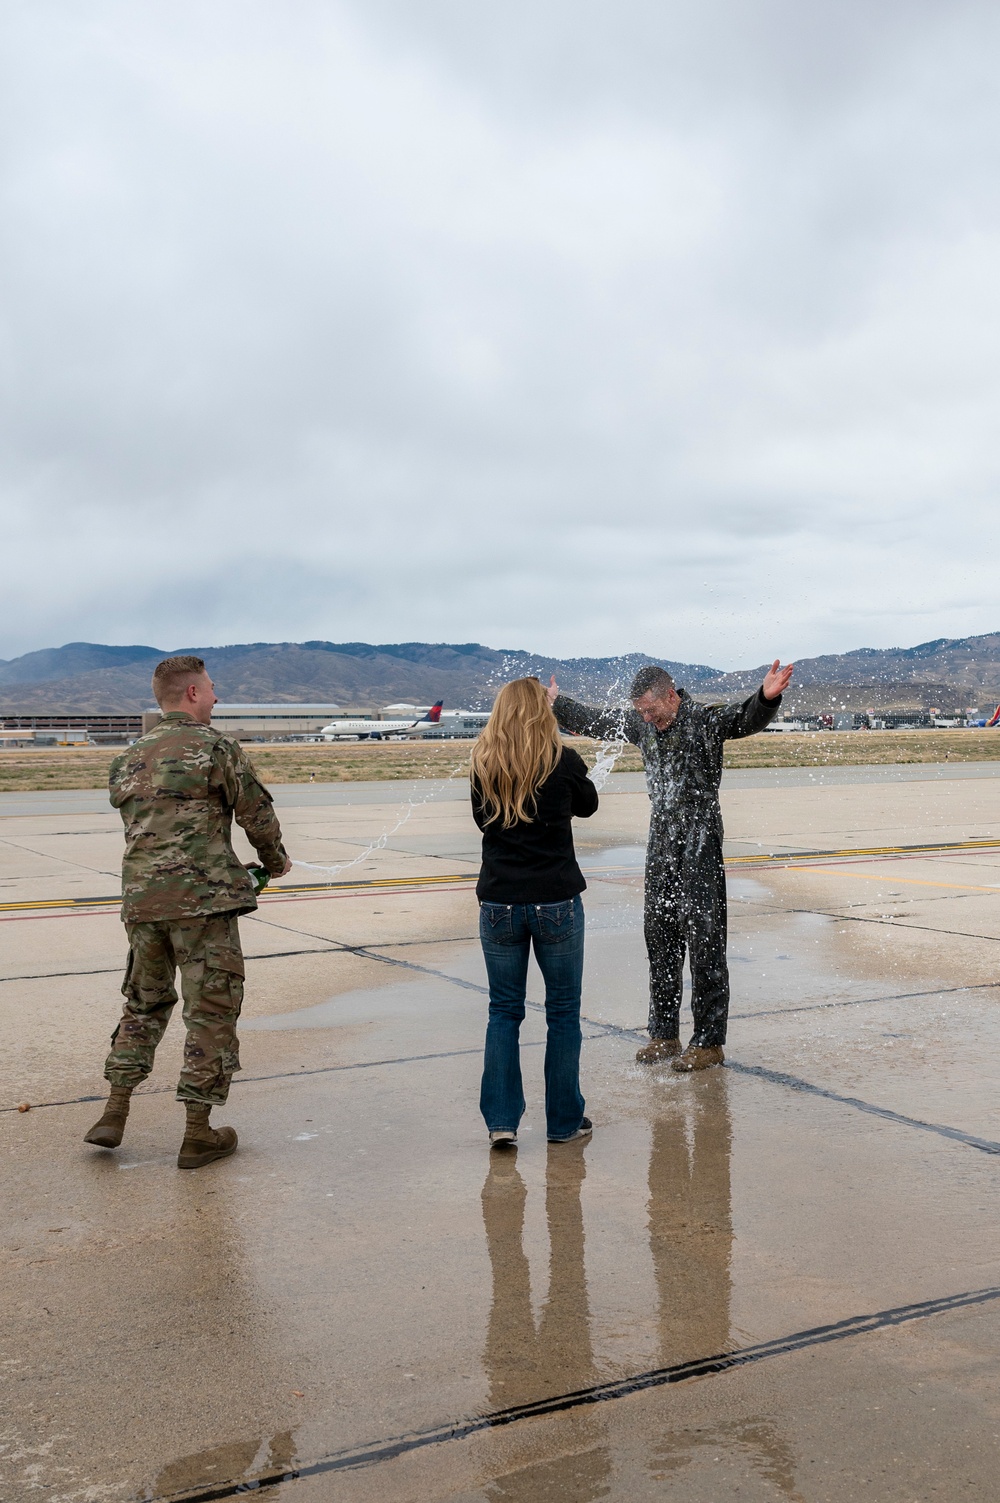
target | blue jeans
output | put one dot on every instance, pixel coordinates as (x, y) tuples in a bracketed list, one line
[(507, 933)]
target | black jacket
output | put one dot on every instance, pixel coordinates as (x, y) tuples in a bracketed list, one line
[(534, 862)]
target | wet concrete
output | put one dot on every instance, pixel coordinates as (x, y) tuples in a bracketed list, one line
[(774, 1281)]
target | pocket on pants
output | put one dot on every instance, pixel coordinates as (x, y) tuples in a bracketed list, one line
[(222, 958), (223, 983), (556, 921), (495, 926)]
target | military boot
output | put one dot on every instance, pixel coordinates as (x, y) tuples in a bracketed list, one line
[(698, 1057), (203, 1144), (657, 1050), (108, 1132)]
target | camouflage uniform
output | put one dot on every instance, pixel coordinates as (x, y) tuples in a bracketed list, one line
[(183, 889), (685, 896)]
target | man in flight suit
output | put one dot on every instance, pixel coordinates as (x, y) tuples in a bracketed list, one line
[(685, 903), (177, 789)]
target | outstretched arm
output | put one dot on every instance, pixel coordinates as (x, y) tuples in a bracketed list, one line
[(760, 709), (588, 720)]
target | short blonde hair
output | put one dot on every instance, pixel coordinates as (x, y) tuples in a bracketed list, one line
[(172, 676)]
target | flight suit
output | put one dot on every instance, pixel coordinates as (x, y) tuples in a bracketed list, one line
[(685, 896)]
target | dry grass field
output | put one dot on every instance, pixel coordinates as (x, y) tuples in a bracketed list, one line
[(28, 770)]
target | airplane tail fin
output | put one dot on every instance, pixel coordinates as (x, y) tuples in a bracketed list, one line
[(433, 715), (996, 717)]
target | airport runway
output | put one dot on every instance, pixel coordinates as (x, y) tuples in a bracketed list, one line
[(775, 1281), (445, 790)]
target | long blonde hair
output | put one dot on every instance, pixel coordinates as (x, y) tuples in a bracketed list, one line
[(516, 751)]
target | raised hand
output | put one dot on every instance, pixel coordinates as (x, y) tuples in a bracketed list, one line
[(777, 679), (553, 690)]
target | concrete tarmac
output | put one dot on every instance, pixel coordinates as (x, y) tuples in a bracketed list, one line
[(778, 1280)]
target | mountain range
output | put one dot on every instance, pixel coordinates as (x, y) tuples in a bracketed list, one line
[(948, 673)]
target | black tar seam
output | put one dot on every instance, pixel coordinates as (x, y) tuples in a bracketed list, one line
[(356, 1458)]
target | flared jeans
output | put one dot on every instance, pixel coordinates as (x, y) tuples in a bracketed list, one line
[(508, 933)]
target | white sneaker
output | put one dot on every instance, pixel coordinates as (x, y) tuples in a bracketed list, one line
[(503, 1138)]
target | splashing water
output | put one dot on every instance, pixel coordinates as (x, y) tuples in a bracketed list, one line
[(405, 810), (604, 766), (376, 845)]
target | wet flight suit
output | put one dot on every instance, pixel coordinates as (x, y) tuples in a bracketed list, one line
[(183, 888), (685, 903)]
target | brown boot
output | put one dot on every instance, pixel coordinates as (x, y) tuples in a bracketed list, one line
[(698, 1057), (108, 1132), (658, 1049), (203, 1144)]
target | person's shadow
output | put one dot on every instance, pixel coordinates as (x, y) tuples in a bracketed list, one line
[(524, 1362)]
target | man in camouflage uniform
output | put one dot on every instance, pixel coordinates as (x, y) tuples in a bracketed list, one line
[(685, 890), (177, 789)]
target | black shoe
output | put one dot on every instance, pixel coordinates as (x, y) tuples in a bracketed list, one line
[(583, 1131)]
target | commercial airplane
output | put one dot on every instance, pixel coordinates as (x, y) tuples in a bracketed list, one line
[(995, 720), (377, 730)]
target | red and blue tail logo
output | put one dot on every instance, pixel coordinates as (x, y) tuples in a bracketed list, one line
[(433, 715), (996, 717)]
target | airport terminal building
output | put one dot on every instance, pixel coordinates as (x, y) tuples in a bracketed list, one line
[(249, 721)]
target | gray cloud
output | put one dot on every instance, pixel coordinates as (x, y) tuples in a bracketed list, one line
[(578, 327)]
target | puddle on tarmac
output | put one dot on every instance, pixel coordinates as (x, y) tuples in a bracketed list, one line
[(800, 966), (241, 1462), (746, 890), (407, 999), (758, 1440), (631, 857)]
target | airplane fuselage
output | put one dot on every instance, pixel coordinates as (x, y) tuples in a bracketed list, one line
[(380, 730), (373, 730)]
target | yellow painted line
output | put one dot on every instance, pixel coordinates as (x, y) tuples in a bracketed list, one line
[(58, 903), (364, 883), (312, 889), (768, 858), (775, 860), (839, 871)]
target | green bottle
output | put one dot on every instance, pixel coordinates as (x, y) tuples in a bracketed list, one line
[(260, 877)]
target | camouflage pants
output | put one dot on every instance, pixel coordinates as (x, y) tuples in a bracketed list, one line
[(207, 953)]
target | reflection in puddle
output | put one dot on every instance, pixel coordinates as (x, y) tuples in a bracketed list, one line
[(525, 1362), (241, 1461), (690, 1237), (690, 1222)]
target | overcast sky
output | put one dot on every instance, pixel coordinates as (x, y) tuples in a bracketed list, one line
[(579, 327)]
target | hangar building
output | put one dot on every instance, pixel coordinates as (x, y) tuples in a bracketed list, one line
[(264, 720)]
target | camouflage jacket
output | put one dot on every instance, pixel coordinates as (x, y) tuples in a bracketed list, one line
[(177, 789), (684, 762)]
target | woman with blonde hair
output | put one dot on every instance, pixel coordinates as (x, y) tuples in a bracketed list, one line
[(526, 787)]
